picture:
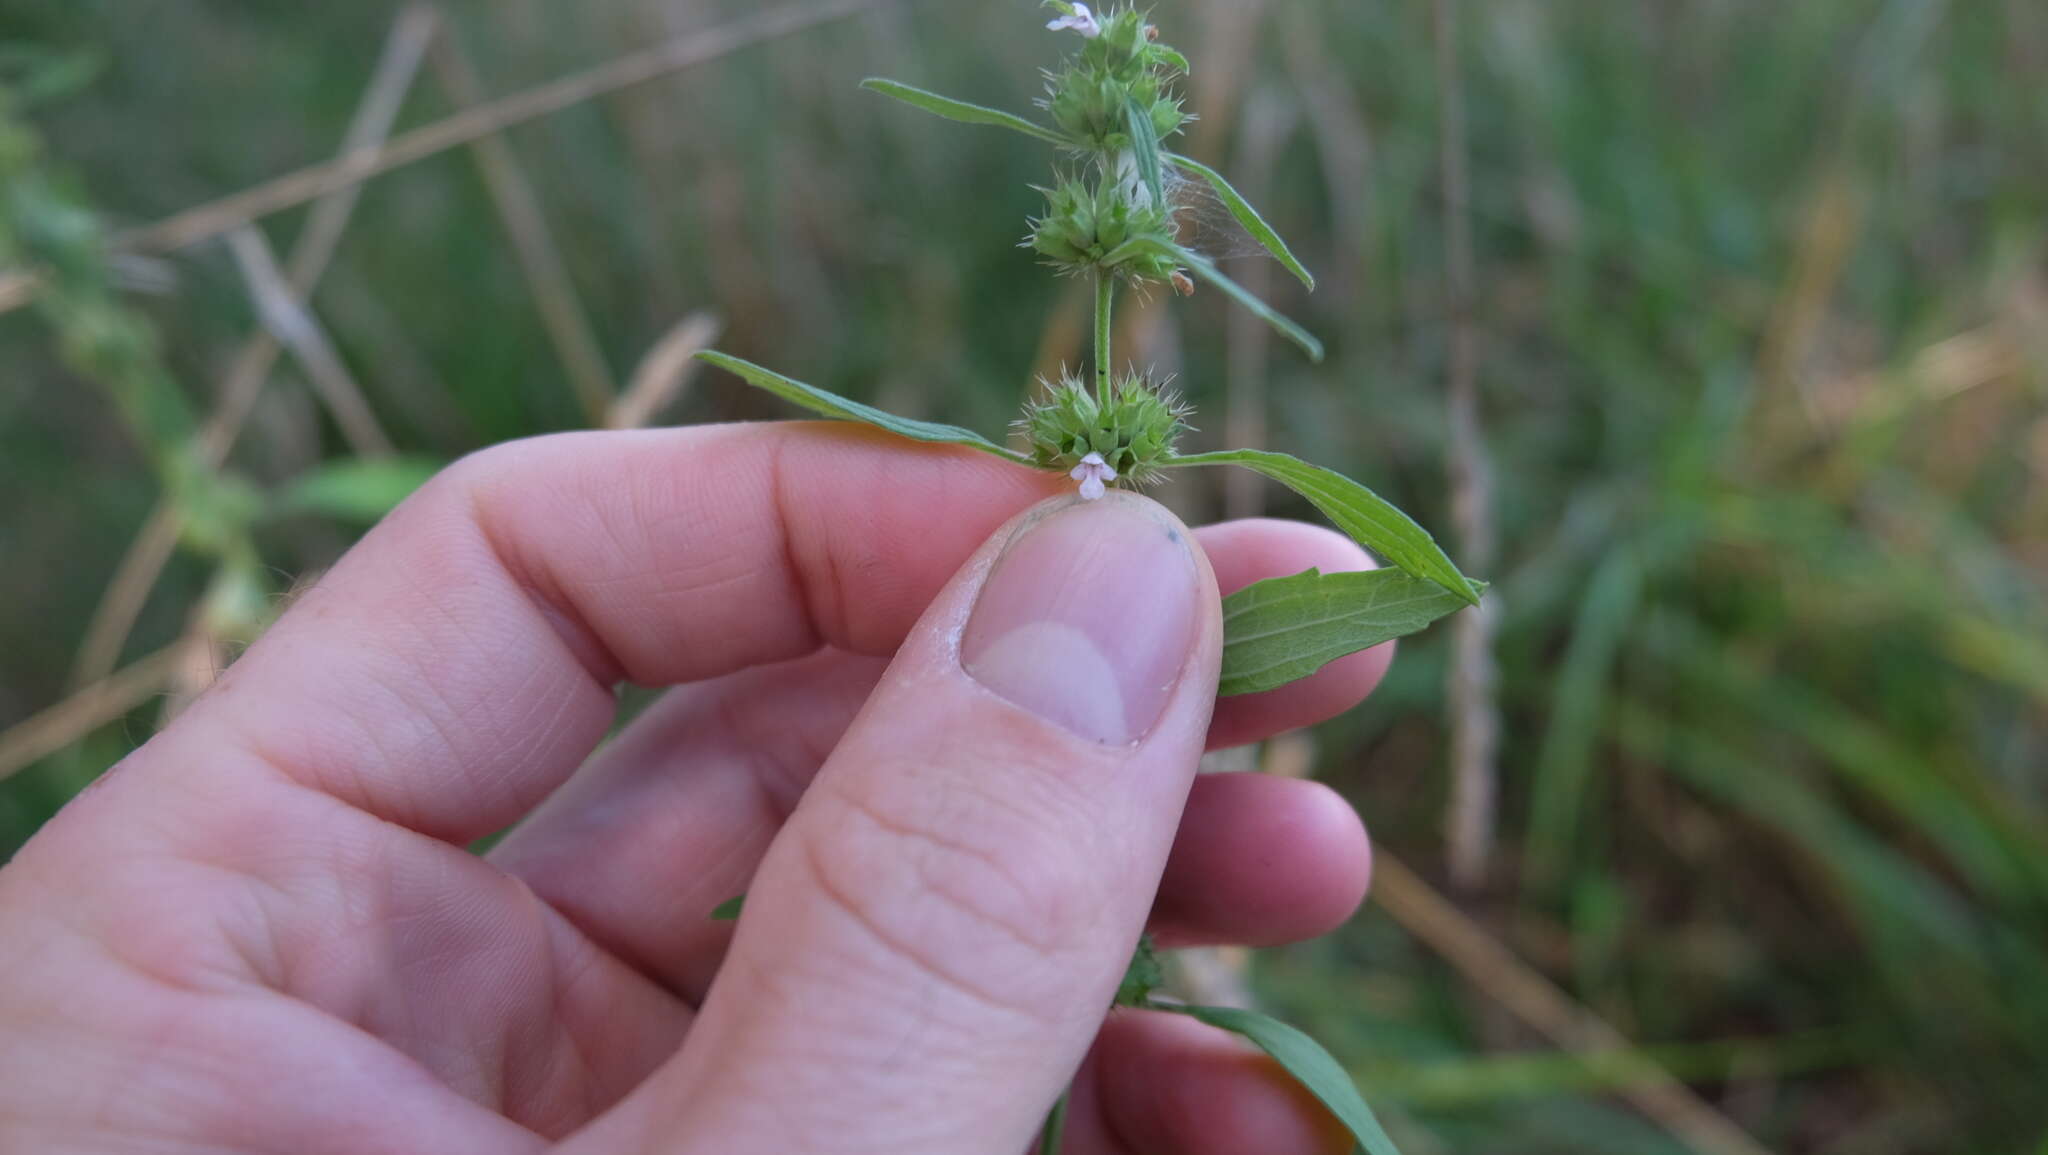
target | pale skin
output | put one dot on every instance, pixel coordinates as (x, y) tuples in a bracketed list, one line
[(263, 932)]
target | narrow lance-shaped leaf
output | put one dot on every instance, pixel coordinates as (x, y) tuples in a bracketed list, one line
[(962, 111), (1283, 629), (1145, 147), (1206, 270), (1307, 1061), (1246, 215), (832, 405), (1371, 520), (729, 909)]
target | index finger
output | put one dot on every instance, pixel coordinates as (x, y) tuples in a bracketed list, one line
[(458, 664)]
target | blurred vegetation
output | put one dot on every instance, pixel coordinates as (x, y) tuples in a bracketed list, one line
[(1763, 300)]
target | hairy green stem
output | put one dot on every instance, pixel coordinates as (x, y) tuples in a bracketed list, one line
[(1105, 289), (1055, 1123)]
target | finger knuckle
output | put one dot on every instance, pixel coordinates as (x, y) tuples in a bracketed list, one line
[(975, 894)]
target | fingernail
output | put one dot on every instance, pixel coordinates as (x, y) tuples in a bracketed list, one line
[(1087, 618)]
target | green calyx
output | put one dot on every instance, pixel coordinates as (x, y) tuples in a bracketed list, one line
[(1099, 227), (1087, 96), (1134, 429)]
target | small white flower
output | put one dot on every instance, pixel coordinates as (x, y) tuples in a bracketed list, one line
[(1091, 473), (1080, 20), (1130, 183)]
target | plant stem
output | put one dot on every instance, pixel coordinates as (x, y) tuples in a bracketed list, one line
[(1475, 710), (1055, 1123), (1105, 289)]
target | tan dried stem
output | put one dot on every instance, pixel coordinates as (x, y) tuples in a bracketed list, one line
[(1536, 1001), (1475, 715), (663, 372), (294, 325), (1344, 148), (41, 735), (338, 181), (397, 64), (216, 218), (533, 244), (1268, 121)]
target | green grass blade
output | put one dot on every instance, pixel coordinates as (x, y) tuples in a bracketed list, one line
[(1282, 629), (1307, 1061), (1246, 215), (1145, 146), (960, 110), (1565, 761), (1207, 270), (832, 405), (1371, 520)]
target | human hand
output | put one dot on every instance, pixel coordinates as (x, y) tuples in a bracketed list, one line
[(263, 931)]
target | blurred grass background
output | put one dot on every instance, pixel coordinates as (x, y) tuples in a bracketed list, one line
[(1761, 300)]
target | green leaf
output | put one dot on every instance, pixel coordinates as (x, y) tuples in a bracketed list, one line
[(1052, 1136), (962, 111), (1370, 519), (1145, 147), (38, 74), (1206, 270), (1142, 977), (832, 405), (1307, 1061), (1282, 629), (1246, 215), (355, 489), (729, 909)]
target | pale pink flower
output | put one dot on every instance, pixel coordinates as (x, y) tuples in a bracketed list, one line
[(1091, 473), (1079, 19)]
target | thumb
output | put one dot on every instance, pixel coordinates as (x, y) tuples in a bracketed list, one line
[(935, 936)]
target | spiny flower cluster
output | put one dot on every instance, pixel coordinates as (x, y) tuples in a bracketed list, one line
[(1097, 225), (1126, 436), (1120, 67), (1111, 100)]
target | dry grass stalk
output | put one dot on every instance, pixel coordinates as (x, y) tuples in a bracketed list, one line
[(540, 259), (219, 217), (1535, 1000), (1230, 36), (293, 324), (1343, 147), (663, 372), (43, 734), (1834, 220), (1475, 714), (114, 618), (1269, 120), (202, 655)]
